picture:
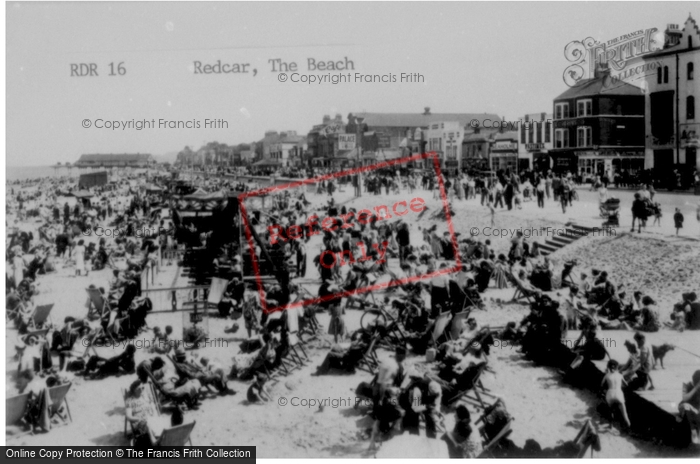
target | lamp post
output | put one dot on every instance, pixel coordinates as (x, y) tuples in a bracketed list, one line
[(358, 146)]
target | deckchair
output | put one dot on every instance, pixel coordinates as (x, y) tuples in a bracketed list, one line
[(586, 438), (458, 324), (505, 432), (149, 391), (17, 311), (15, 407), (176, 436), (294, 339), (98, 305), (57, 395), (369, 362), (161, 395), (40, 315), (441, 324), (520, 291), (451, 398), (216, 291)]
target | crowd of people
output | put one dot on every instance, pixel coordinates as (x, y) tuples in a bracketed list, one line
[(436, 319)]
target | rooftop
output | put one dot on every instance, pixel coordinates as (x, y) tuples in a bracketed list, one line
[(375, 120)]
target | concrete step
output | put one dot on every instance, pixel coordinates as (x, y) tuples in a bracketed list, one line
[(577, 227), (548, 246), (564, 239)]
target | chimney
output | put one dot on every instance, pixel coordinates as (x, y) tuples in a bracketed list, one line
[(601, 70), (673, 35), (326, 119), (543, 116), (338, 118), (426, 111)]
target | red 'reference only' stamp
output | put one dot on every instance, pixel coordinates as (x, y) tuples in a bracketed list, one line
[(279, 234)]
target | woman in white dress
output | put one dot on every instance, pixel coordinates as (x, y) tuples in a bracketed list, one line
[(79, 253)]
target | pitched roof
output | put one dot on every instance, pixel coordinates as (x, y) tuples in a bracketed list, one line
[(690, 27), (483, 135), (419, 119), (596, 86), (509, 135)]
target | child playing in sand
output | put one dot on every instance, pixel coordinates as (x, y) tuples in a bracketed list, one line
[(489, 205), (657, 214), (678, 220), (257, 392), (614, 396)]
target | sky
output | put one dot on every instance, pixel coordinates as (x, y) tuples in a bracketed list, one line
[(504, 58)]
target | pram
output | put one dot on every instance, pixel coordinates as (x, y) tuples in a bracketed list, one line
[(527, 194), (610, 210)]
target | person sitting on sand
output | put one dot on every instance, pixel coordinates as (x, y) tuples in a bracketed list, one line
[(460, 441), (388, 417), (97, 368), (63, 340), (37, 411), (495, 418), (346, 359), (689, 408), (649, 316), (525, 285), (156, 370), (614, 396), (257, 392)]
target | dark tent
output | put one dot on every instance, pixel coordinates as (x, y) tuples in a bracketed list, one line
[(94, 179)]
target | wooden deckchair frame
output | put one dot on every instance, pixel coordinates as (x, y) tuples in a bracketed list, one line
[(369, 362), (505, 432), (154, 398), (61, 397), (175, 436), (15, 409), (40, 315), (99, 302)]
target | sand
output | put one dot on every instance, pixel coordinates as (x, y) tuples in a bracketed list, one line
[(544, 409)]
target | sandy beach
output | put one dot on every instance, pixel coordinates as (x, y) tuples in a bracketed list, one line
[(289, 427)]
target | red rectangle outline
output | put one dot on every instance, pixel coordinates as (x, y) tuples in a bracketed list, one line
[(275, 188)]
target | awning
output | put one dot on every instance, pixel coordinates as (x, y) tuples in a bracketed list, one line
[(203, 196)]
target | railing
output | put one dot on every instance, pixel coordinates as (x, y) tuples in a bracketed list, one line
[(177, 298)]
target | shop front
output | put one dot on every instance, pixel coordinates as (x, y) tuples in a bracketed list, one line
[(504, 154), (451, 166), (505, 161), (563, 162), (608, 162)]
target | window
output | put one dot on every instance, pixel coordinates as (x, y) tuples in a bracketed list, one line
[(583, 136), (547, 132), (584, 107), (690, 41), (530, 131), (658, 75), (539, 131), (665, 74), (561, 111), (690, 107), (690, 71), (522, 133), (561, 137)]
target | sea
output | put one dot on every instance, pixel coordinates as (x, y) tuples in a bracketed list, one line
[(13, 173)]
